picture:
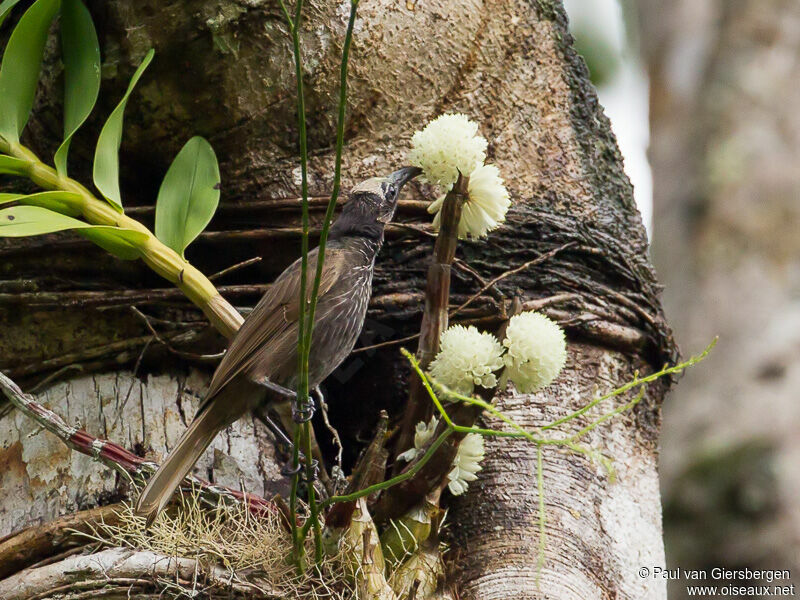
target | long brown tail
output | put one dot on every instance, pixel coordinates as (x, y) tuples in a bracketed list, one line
[(184, 455)]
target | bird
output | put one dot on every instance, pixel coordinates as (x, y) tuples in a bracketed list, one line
[(260, 366)]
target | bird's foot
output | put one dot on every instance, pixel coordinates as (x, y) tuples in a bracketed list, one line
[(303, 414), (289, 470)]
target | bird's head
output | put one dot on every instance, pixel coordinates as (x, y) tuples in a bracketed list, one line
[(372, 204)]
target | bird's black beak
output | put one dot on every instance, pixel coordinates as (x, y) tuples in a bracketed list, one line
[(404, 175)]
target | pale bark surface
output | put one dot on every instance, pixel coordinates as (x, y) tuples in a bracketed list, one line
[(726, 164), (42, 479), (222, 71)]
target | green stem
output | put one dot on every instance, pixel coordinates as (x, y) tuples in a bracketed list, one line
[(159, 257), (302, 433), (633, 383), (485, 406), (337, 178), (398, 478), (607, 416), (337, 171)]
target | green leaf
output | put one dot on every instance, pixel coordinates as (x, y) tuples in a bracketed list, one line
[(19, 72), (5, 9), (12, 166), (81, 52), (188, 196), (25, 221), (106, 155), (66, 203)]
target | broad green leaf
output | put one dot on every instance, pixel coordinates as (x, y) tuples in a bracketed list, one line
[(66, 203), (19, 72), (25, 221), (12, 166), (81, 52), (5, 9), (106, 155), (188, 196)]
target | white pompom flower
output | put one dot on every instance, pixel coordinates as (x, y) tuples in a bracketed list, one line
[(446, 146), (537, 351), (486, 206), (422, 436), (467, 358), (466, 463)]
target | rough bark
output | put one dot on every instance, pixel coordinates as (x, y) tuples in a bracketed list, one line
[(725, 152), (221, 71)]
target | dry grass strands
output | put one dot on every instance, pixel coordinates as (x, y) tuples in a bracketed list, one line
[(252, 550)]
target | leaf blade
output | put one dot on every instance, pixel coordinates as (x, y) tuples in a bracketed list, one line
[(5, 9), (26, 221), (188, 196), (19, 71), (66, 203), (105, 171), (12, 166), (81, 54)]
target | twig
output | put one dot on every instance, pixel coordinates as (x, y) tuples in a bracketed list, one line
[(84, 299), (236, 267), (134, 380), (386, 343), (536, 261), (55, 375), (314, 202), (115, 456), (435, 316), (415, 228), (121, 569), (26, 547), (337, 441), (537, 304), (190, 355)]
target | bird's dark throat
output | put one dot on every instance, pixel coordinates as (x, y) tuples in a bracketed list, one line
[(358, 219)]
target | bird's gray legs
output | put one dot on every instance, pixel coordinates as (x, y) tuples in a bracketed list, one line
[(299, 415), (287, 470), (276, 429)]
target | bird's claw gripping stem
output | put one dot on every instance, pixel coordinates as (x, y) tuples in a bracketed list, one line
[(303, 414), (290, 471)]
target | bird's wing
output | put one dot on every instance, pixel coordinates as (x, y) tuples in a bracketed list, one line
[(276, 312)]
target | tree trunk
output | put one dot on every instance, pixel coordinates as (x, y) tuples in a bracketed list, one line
[(725, 154), (223, 70)]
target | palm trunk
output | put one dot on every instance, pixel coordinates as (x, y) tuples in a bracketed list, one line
[(223, 71)]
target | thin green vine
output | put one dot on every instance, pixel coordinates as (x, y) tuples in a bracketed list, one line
[(302, 433)]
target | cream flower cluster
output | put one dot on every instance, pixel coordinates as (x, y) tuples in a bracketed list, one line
[(468, 357), (466, 464), (447, 146), (533, 353), (537, 351)]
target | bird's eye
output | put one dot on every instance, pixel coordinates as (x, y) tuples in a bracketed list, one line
[(391, 190)]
